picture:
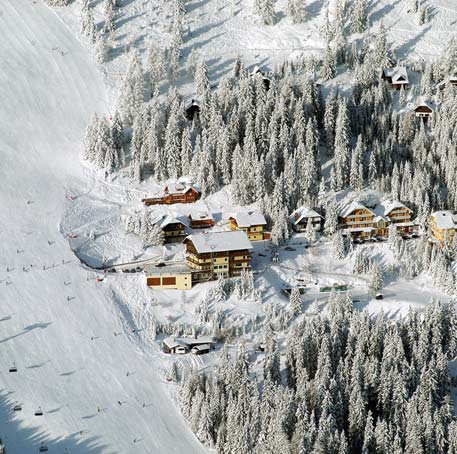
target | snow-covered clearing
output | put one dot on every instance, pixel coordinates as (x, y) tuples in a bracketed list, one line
[(49, 89)]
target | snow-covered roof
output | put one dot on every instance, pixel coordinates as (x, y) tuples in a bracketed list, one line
[(172, 342), (201, 216), (452, 80), (201, 347), (154, 269), (348, 209), (249, 218), (398, 75), (303, 213), (256, 70), (180, 188), (423, 102), (445, 219), (235, 240), (387, 206), (162, 220)]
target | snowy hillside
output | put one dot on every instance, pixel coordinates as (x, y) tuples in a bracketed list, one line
[(82, 342), (221, 30), (49, 310)]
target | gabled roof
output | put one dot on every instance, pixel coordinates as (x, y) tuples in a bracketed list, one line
[(303, 213), (445, 219), (452, 80), (236, 240), (348, 209), (422, 102), (257, 70), (172, 342), (249, 218), (180, 188), (201, 216), (398, 74), (201, 347), (162, 220), (387, 206)]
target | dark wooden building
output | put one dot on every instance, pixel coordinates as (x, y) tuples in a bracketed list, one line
[(174, 193), (201, 220)]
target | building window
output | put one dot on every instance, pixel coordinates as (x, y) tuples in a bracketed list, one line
[(168, 281)]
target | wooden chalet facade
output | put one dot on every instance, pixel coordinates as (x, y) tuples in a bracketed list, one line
[(201, 220), (423, 110), (397, 77), (300, 218), (394, 212), (251, 222), (214, 254), (443, 225), (174, 193), (358, 220), (173, 230)]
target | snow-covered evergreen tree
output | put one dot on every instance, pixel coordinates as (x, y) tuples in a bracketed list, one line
[(295, 302), (328, 71), (338, 248), (376, 281), (359, 18)]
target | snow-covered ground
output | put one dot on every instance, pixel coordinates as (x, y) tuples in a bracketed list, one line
[(49, 310), (219, 30), (57, 324)]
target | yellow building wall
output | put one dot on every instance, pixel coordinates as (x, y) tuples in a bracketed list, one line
[(183, 281), (254, 232), (441, 234)]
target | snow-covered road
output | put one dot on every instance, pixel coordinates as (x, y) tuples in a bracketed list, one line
[(48, 314)]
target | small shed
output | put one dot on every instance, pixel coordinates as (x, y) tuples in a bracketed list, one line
[(181, 345), (201, 349), (174, 346), (397, 77), (424, 110), (258, 72)]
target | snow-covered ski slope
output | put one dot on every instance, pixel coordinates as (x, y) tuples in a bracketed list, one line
[(49, 87)]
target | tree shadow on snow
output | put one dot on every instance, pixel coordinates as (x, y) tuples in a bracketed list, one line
[(314, 8), (26, 330), (21, 438), (381, 13)]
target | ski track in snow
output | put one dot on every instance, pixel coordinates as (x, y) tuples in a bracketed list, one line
[(49, 88)]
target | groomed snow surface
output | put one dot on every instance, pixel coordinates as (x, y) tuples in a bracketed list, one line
[(48, 316)]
